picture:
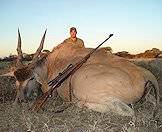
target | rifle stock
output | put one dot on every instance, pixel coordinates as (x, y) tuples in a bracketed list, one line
[(56, 82)]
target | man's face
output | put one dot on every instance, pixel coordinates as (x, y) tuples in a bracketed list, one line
[(73, 34)]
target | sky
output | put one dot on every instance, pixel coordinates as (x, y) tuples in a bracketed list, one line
[(136, 24)]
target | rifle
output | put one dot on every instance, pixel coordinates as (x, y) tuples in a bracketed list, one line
[(56, 82)]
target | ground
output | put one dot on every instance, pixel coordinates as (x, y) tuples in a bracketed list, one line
[(74, 119)]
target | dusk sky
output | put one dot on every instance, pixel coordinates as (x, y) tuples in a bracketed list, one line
[(136, 24)]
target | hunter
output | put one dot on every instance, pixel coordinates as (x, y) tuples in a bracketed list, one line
[(73, 39)]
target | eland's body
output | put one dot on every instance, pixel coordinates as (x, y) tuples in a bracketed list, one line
[(103, 81)]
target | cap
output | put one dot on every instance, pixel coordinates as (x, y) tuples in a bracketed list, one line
[(73, 28)]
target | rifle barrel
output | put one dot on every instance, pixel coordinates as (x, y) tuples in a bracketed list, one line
[(100, 44)]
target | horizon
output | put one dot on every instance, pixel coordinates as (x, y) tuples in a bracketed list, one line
[(110, 47), (136, 24)]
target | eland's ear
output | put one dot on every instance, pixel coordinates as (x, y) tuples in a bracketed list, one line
[(9, 74)]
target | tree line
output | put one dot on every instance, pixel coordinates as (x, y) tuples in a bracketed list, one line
[(153, 53)]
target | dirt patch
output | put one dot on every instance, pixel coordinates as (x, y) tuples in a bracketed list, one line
[(73, 119)]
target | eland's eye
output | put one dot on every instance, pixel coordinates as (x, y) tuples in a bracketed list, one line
[(31, 78)]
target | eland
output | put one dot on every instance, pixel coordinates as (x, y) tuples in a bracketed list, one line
[(106, 82)]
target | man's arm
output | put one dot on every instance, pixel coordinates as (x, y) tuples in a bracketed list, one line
[(81, 43)]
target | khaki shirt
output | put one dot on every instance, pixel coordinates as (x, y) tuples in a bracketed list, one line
[(78, 42)]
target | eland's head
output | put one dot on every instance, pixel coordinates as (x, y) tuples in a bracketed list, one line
[(24, 73)]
